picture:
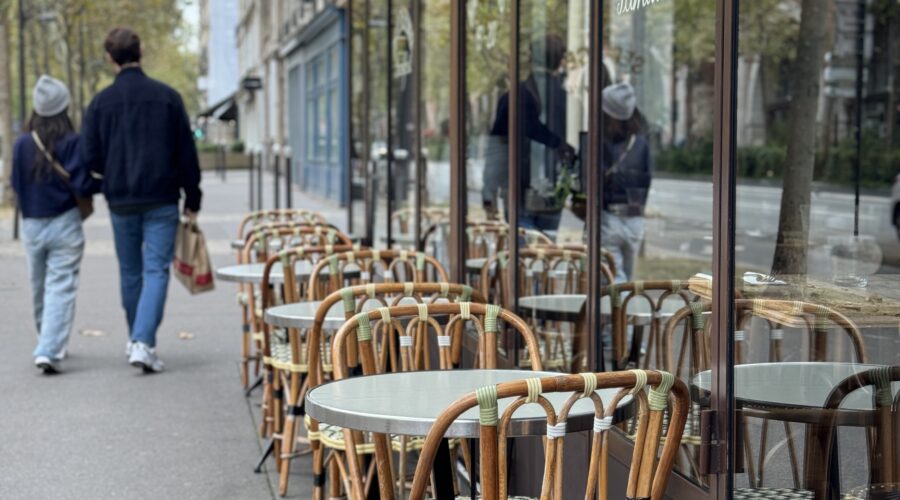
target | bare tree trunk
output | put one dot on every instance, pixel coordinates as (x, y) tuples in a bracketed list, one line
[(5, 107), (793, 221)]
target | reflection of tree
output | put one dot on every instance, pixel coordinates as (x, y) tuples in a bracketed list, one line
[(793, 221)]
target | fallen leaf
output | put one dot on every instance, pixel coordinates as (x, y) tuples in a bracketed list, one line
[(185, 335), (93, 333)]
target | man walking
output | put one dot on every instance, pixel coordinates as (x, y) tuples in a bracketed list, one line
[(137, 135)]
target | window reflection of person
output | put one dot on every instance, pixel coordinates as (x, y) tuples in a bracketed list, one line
[(627, 170), (542, 110)]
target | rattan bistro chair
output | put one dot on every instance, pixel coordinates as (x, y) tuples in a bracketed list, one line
[(375, 266), (314, 352), (882, 437), (649, 472), (279, 215), (376, 330), (691, 355), (270, 341)]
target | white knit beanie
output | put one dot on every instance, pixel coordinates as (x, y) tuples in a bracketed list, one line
[(50, 96), (619, 101)]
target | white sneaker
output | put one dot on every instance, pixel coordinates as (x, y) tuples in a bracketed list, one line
[(47, 365), (128, 347), (144, 357)]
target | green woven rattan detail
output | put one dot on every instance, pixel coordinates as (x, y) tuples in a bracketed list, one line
[(697, 321), (882, 379), (333, 264), (349, 301), (466, 295), (659, 395), (420, 261), (364, 330), (491, 312), (615, 298), (487, 405)]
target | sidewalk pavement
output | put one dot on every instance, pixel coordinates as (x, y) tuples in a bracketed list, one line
[(104, 430)]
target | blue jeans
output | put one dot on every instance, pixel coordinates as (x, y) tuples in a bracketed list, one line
[(54, 246), (622, 236), (145, 244)]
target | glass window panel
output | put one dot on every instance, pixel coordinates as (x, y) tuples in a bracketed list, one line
[(817, 250), (487, 58), (656, 181), (435, 127), (322, 113), (360, 155), (404, 44), (335, 107)]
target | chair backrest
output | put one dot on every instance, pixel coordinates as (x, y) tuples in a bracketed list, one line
[(815, 318), (655, 295), (605, 254), (485, 318), (542, 270), (649, 472), (262, 239), (355, 299), (279, 215), (296, 290), (883, 422), (371, 265)]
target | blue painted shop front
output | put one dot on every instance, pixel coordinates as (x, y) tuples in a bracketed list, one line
[(317, 96)]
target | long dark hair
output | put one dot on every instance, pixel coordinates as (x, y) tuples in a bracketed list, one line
[(621, 130), (50, 129)]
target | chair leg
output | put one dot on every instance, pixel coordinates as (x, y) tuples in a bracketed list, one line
[(318, 469)]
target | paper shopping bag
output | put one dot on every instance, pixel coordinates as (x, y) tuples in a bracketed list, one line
[(191, 265)]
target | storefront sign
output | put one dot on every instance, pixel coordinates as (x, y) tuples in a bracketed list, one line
[(626, 6)]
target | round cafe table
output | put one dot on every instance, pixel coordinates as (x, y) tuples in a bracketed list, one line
[(792, 385), (408, 403), (568, 307), (303, 315), (253, 273)]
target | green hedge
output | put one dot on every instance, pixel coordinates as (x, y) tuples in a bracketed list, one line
[(879, 164)]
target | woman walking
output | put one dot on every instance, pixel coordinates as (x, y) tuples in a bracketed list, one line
[(52, 187)]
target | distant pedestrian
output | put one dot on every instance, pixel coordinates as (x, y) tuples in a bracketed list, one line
[(627, 168), (137, 135), (48, 177)]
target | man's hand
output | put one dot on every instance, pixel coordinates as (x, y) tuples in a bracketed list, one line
[(190, 215)]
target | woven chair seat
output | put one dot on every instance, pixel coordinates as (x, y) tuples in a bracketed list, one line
[(890, 490), (772, 493), (281, 358), (332, 436)]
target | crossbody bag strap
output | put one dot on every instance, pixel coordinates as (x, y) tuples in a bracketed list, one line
[(615, 166), (59, 169)]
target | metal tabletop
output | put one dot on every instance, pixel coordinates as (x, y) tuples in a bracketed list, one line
[(253, 273), (303, 314), (239, 244), (568, 307), (794, 384), (408, 403)]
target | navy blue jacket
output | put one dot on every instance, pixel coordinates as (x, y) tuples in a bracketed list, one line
[(137, 135), (47, 195), (634, 169)]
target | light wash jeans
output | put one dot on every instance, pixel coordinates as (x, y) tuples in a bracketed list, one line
[(622, 237), (145, 245), (54, 246)]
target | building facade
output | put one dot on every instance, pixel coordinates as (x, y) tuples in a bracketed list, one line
[(292, 96)]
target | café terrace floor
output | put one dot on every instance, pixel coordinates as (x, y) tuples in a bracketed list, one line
[(103, 430)]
